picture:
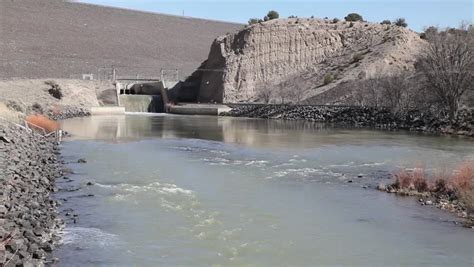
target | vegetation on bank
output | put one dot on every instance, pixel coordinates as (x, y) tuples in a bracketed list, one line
[(272, 14), (450, 190), (444, 75)]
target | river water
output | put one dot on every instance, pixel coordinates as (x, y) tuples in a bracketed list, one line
[(217, 191)]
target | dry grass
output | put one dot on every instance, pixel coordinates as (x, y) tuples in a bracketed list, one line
[(463, 183), (42, 122), (459, 183), (463, 177), (413, 180)]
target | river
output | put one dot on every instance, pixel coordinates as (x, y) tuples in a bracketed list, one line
[(218, 191)]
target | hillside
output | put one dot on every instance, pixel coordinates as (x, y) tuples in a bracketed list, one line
[(297, 59), (57, 39)]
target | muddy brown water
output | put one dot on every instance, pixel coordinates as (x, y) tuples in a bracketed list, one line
[(210, 191)]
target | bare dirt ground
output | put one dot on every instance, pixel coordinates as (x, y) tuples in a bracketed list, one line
[(61, 39), (19, 96)]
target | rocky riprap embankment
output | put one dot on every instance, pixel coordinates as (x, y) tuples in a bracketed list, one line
[(29, 221), (69, 112), (360, 117)]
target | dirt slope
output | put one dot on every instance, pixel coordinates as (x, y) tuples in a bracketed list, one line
[(57, 39)]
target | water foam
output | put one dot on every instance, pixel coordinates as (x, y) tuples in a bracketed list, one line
[(91, 236)]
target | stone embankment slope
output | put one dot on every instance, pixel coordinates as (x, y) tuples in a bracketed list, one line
[(361, 117), (30, 165), (29, 222), (295, 55)]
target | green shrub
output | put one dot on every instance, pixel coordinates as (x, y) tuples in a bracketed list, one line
[(254, 21), (400, 22), (328, 78), (386, 22), (272, 14), (354, 17), (335, 20)]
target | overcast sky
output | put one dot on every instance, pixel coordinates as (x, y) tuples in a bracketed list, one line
[(418, 13)]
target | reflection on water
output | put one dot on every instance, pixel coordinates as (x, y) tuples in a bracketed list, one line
[(249, 132)]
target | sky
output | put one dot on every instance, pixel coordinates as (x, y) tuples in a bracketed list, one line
[(418, 13)]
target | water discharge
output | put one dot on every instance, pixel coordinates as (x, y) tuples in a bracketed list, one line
[(208, 191)]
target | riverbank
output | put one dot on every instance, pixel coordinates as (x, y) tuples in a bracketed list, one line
[(29, 220), (30, 224), (451, 191), (360, 117)]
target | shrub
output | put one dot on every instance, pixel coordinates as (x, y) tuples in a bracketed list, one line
[(55, 90), (400, 22), (272, 14), (335, 20), (254, 21), (467, 198), (37, 108), (293, 17), (463, 178), (357, 57), (328, 78), (440, 186), (420, 183), (353, 17), (386, 22), (403, 180)]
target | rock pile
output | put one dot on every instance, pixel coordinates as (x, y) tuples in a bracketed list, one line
[(69, 112), (360, 117), (29, 221)]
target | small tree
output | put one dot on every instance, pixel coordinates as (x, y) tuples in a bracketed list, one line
[(354, 17), (400, 22), (448, 66), (272, 14), (386, 22)]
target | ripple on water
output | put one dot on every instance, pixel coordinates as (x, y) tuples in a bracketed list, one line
[(89, 237)]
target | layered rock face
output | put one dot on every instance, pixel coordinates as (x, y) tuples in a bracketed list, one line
[(280, 54)]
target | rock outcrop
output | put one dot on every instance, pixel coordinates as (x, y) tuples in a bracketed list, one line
[(310, 56)]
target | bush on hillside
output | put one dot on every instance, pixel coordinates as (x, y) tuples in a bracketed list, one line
[(328, 78), (254, 21), (55, 90), (400, 22), (272, 14), (386, 22), (354, 17)]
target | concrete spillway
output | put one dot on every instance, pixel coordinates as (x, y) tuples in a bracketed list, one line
[(142, 103)]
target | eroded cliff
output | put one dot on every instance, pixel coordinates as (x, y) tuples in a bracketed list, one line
[(296, 59)]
